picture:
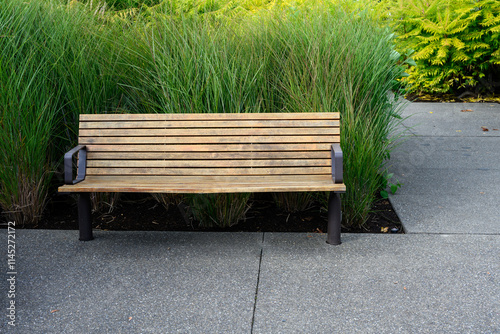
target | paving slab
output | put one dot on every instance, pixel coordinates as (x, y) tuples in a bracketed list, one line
[(375, 283), (449, 168), (452, 214), (453, 119), (133, 282), (465, 153), (440, 182)]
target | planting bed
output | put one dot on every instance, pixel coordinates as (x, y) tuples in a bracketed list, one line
[(141, 212)]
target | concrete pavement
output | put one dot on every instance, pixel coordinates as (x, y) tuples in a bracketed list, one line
[(450, 169), (442, 276)]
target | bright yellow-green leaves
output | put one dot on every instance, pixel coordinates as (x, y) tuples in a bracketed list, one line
[(456, 42)]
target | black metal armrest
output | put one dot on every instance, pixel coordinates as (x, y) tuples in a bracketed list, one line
[(337, 166), (82, 165)]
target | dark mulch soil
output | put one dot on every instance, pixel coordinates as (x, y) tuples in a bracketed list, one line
[(140, 212)]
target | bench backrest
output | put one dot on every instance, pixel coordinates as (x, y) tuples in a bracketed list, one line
[(209, 144)]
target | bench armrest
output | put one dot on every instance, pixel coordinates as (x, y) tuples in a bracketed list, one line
[(82, 164), (337, 167)]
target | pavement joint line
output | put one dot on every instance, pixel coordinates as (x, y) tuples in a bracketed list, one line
[(258, 281), (461, 136), (461, 169), (453, 233)]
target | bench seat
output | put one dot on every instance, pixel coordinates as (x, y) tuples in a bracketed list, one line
[(205, 184)]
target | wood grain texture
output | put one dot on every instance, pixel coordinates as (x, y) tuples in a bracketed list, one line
[(154, 180), (208, 140), (203, 184), (232, 117), (223, 163), (254, 155), (209, 171), (194, 132), (188, 148), (210, 124)]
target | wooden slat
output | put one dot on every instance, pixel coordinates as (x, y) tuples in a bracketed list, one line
[(209, 132), (210, 171), (209, 163), (197, 189), (210, 124), (200, 182), (208, 179), (184, 117), (211, 147), (206, 184), (207, 155), (208, 140)]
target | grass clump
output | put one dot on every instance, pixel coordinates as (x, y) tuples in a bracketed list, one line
[(222, 210), (29, 109), (167, 199), (53, 66), (318, 59), (294, 202)]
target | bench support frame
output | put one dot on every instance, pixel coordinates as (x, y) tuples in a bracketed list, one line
[(82, 164), (334, 219), (85, 217)]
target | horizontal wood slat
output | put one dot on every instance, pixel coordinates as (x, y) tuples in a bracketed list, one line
[(208, 140), (184, 117), (208, 179), (209, 163), (204, 189), (209, 171), (208, 155), (206, 184), (209, 148), (209, 132), (210, 124)]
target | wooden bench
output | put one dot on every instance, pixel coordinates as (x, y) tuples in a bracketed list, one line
[(207, 153)]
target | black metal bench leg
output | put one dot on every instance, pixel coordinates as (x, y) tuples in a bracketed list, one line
[(334, 219), (85, 217)]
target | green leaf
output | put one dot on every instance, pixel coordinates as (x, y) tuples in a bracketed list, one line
[(411, 62), (384, 194)]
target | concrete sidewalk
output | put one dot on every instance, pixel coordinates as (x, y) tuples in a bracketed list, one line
[(442, 276), (450, 169)]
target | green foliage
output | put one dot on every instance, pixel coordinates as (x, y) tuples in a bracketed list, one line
[(294, 202), (456, 42), (104, 203), (222, 210), (190, 65), (167, 199), (116, 5), (29, 107), (392, 186), (292, 61), (52, 66)]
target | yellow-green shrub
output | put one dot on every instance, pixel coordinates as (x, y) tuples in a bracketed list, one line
[(456, 43)]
